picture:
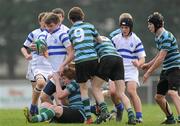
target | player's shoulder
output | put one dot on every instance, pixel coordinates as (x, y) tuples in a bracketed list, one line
[(44, 32), (88, 24), (38, 30), (167, 35), (73, 84), (64, 28), (135, 37), (117, 36), (114, 33)]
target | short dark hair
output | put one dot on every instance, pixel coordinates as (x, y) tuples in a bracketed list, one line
[(58, 11), (76, 14), (157, 19), (51, 18), (127, 22)]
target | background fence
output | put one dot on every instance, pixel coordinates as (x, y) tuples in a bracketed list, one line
[(17, 93)]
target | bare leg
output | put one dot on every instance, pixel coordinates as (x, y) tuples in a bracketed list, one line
[(117, 102), (45, 98), (176, 99), (33, 86), (96, 88), (115, 99), (40, 82), (120, 89), (160, 99), (131, 89)]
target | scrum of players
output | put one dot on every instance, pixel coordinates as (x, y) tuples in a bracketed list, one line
[(69, 66)]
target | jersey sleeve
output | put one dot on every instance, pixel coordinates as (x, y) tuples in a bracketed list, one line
[(43, 36), (64, 38), (94, 31), (166, 45), (139, 49), (29, 39)]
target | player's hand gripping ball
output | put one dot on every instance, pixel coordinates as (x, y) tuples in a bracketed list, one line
[(41, 48)]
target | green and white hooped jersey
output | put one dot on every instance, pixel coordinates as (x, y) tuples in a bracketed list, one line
[(105, 48), (168, 42), (82, 35), (74, 97)]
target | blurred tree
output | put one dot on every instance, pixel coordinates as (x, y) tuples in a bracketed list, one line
[(13, 27)]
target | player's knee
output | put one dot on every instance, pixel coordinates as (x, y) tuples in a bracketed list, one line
[(40, 82), (173, 93), (44, 97), (57, 109), (121, 95), (106, 93), (112, 93), (53, 107), (132, 93), (46, 105), (158, 98)]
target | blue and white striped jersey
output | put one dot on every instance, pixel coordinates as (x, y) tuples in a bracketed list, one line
[(129, 49), (32, 37), (57, 42), (38, 64), (168, 42), (64, 28)]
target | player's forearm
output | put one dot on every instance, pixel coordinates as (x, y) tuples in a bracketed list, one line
[(155, 65), (58, 88), (153, 60), (69, 57), (24, 52), (141, 61), (98, 39), (60, 93)]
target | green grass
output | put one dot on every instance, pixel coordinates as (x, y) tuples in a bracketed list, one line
[(152, 116)]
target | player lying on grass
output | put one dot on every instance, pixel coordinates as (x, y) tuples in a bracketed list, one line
[(62, 114)]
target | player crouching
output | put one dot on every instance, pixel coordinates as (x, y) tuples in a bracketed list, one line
[(62, 114)]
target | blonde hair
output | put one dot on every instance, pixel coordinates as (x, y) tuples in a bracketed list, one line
[(41, 16)]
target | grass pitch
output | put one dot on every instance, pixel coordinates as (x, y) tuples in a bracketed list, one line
[(152, 116)]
